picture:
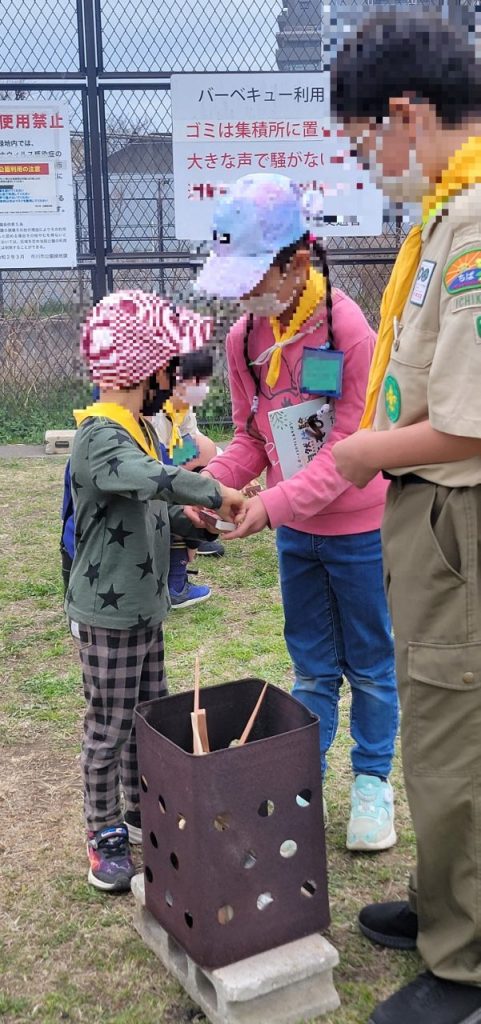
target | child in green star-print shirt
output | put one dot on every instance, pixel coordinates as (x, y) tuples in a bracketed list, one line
[(117, 597)]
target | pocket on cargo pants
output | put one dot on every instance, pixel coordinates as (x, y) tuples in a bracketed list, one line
[(444, 731)]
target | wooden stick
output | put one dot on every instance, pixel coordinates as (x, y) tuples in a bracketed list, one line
[(202, 727), (250, 724), (198, 717), (197, 684)]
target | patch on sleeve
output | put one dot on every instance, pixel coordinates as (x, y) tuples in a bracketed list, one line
[(422, 282), (477, 328), (463, 273), (392, 398), (468, 301)]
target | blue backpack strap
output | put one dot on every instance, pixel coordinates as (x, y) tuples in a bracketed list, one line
[(67, 515)]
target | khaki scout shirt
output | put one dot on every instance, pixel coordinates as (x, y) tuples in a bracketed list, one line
[(434, 371)]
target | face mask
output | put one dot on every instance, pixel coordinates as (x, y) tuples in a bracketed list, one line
[(195, 394), (267, 304), (409, 187)]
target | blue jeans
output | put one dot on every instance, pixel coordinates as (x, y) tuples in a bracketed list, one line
[(337, 624)]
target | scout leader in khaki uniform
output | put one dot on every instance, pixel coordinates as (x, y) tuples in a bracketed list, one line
[(423, 118)]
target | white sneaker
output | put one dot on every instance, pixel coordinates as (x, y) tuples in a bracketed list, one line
[(325, 812), (371, 825)]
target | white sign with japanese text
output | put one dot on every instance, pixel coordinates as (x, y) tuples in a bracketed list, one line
[(228, 125), (37, 218)]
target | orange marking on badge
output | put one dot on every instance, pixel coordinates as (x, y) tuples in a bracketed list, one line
[(463, 274)]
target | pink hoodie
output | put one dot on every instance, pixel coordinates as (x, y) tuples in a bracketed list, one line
[(316, 499)]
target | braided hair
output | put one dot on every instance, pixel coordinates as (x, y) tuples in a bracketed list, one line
[(282, 261)]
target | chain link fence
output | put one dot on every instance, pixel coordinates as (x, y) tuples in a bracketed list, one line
[(110, 61)]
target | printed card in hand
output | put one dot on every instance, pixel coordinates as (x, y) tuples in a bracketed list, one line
[(299, 432)]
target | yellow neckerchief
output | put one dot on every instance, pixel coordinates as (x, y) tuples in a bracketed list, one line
[(176, 416), (464, 169), (124, 418), (314, 293)]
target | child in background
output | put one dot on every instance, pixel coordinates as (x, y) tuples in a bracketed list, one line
[(182, 444), (294, 333), (117, 596)]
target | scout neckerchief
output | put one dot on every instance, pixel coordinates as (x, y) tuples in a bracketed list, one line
[(176, 417), (464, 169), (314, 293), (124, 418)]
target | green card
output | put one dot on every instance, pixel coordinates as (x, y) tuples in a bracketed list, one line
[(321, 372)]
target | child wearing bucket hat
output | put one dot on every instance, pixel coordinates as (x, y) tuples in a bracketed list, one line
[(299, 360), (117, 596)]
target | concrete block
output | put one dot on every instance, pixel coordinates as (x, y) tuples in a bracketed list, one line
[(287, 985), (59, 442)]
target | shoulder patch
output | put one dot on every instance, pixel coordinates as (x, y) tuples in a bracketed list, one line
[(463, 273)]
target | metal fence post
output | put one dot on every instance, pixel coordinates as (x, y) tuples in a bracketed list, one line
[(99, 279)]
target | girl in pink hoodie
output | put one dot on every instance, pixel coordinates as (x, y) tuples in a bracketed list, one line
[(298, 366)]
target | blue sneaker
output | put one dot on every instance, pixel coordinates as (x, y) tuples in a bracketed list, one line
[(371, 825), (191, 593), (111, 867)]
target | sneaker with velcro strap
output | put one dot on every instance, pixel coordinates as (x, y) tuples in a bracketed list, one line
[(111, 867)]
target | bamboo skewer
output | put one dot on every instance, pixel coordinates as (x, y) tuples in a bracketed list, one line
[(250, 724)]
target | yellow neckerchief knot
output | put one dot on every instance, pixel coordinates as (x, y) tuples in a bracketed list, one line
[(313, 294), (176, 417)]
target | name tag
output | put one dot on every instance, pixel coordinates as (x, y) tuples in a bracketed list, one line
[(321, 372), (422, 282)]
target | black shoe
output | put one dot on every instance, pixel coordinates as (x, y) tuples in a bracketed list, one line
[(132, 820), (211, 547), (390, 924), (431, 1000)]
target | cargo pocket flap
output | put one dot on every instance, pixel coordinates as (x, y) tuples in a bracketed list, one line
[(452, 666)]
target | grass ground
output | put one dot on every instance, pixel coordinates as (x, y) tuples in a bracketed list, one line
[(68, 953)]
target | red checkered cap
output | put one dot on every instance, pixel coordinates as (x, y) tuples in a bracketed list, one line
[(129, 335)]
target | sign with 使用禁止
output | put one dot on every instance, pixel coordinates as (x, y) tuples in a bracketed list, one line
[(37, 220), (229, 125)]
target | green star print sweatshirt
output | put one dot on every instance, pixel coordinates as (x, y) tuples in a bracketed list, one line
[(119, 574)]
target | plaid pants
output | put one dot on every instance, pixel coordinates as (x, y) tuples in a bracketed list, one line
[(120, 667)]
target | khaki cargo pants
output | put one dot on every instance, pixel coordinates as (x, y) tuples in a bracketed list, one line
[(432, 551)]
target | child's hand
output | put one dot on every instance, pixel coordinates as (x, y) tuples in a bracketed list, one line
[(193, 513), (351, 456), (251, 520), (233, 503)]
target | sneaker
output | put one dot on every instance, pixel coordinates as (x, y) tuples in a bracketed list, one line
[(111, 867), (211, 547), (371, 825), (325, 811), (393, 925), (191, 593), (132, 820), (431, 1000)]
